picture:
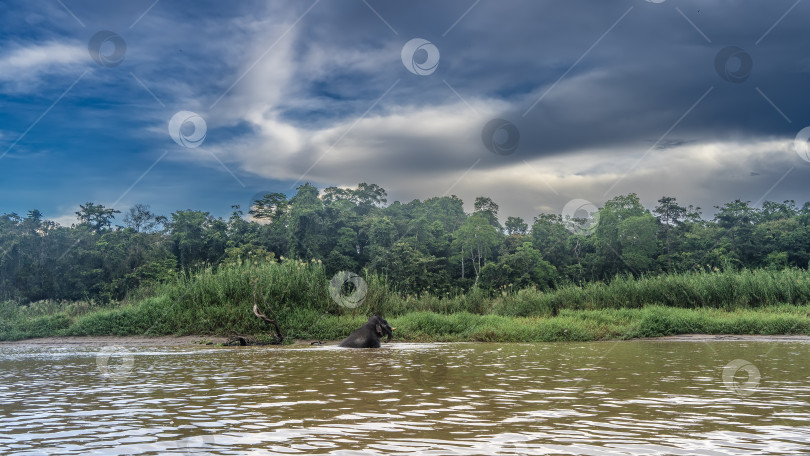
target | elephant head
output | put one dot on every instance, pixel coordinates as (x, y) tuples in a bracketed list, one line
[(381, 327)]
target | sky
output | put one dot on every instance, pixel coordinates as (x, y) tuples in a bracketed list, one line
[(205, 104)]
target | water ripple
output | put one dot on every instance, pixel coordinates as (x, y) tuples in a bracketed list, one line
[(631, 398)]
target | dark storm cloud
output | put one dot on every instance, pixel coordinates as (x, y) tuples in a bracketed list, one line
[(630, 89)]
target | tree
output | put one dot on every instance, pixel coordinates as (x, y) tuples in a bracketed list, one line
[(516, 225), (380, 235), (524, 268), (449, 210), (670, 215), (476, 240), (345, 254), (334, 194), (96, 216), (778, 211), (33, 222), (624, 206), (623, 242), (430, 245), (737, 219), (637, 242), (368, 196), (139, 218), (270, 207), (306, 223), (551, 238), (413, 272), (197, 237), (486, 207)]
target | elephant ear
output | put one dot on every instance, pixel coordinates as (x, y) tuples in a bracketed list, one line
[(379, 330)]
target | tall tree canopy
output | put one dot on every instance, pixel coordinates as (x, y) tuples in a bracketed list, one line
[(431, 246)]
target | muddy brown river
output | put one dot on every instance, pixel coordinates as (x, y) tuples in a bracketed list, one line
[(601, 398)]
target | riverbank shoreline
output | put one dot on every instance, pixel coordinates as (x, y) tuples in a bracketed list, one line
[(217, 304), (178, 341)]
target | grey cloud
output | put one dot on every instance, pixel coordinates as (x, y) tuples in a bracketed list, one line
[(629, 90)]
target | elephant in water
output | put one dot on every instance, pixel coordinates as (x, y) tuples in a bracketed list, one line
[(368, 335)]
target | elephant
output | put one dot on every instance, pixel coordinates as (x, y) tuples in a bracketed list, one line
[(368, 335)]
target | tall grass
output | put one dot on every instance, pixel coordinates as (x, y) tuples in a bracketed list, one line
[(722, 290), (587, 325), (219, 302)]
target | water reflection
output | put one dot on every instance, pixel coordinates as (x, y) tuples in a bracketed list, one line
[(627, 398)]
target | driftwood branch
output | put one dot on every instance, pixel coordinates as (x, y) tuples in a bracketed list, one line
[(279, 337), (236, 339)]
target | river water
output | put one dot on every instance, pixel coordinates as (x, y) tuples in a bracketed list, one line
[(600, 398)]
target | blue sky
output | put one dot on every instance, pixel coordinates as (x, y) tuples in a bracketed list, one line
[(607, 97)]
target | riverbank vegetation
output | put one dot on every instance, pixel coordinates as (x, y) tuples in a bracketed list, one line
[(296, 293), (428, 266)]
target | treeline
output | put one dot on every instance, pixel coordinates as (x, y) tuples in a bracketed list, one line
[(429, 246)]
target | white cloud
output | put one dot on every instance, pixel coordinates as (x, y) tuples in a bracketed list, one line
[(21, 67), (65, 220), (428, 152), (701, 174)]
